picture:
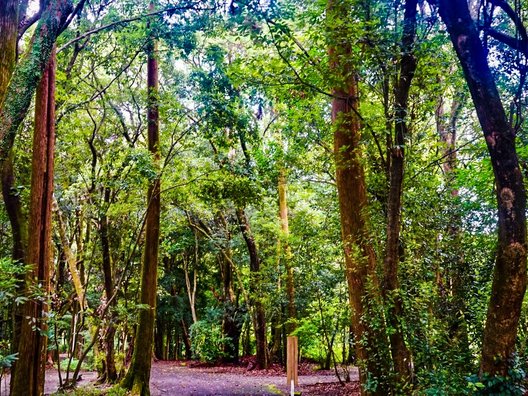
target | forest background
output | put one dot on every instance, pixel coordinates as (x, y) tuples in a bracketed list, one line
[(347, 171)]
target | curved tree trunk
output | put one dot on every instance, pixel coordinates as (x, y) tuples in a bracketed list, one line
[(509, 278), (138, 376)]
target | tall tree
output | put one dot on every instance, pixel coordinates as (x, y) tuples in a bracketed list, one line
[(9, 20), (110, 371), (360, 260), (407, 67), (138, 375), (29, 375), (509, 277)]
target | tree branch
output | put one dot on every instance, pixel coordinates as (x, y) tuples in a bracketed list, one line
[(122, 22)]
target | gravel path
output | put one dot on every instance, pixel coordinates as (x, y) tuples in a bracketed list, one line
[(173, 378), (184, 381)]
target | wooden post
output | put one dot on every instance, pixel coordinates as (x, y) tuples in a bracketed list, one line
[(292, 357)]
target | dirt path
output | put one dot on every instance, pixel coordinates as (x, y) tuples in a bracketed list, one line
[(175, 378)]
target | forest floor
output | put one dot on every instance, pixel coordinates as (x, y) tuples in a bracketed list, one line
[(183, 378)]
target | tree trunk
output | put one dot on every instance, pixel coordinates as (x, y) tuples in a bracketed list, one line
[(456, 272), (8, 43), (70, 259), (286, 251), (231, 327), (138, 376), (400, 354), (28, 72), (254, 266), (186, 340), (9, 19), (509, 278), (29, 375), (191, 289), (360, 260), (110, 374), (8, 48)]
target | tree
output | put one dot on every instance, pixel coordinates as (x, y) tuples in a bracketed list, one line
[(360, 257), (509, 278), (9, 20), (407, 67), (259, 320), (29, 374), (138, 375)]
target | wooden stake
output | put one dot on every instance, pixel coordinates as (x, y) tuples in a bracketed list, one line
[(292, 357)]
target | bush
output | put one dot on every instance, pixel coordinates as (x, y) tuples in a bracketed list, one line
[(511, 385), (207, 340)]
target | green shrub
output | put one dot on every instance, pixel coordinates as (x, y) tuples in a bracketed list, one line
[(511, 385), (208, 343)]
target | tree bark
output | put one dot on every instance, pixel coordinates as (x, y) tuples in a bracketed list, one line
[(360, 260), (9, 18), (8, 43), (254, 267), (28, 72), (110, 374), (509, 277), (138, 376), (400, 354), (286, 251), (29, 375)]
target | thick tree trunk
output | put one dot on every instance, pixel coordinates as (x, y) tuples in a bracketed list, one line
[(509, 278), (400, 354), (8, 43), (286, 251), (28, 72), (360, 260), (138, 376), (8, 47), (259, 313), (29, 375)]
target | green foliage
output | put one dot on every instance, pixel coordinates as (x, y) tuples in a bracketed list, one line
[(207, 340), (6, 361), (512, 385), (10, 275)]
